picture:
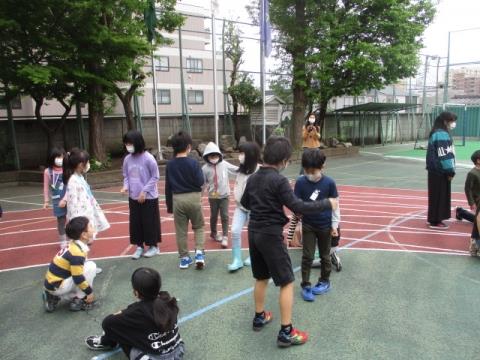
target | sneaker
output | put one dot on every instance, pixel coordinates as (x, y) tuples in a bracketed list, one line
[(138, 253), (260, 321), (295, 337), (50, 301), (80, 304), (439, 226), (213, 237), (152, 251), (94, 342), (473, 248), (307, 294), (199, 259), (336, 261), (219, 238), (321, 288), (457, 213), (185, 262), (224, 242), (98, 270)]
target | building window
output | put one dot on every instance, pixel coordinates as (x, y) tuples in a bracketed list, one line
[(195, 97), (163, 96), (162, 63), (16, 103), (194, 65)]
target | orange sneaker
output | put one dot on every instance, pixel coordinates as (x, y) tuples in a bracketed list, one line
[(296, 337)]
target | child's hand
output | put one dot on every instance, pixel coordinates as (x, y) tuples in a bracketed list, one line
[(473, 208), (124, 190), (45, 205), (141, 197), (62, 203), (334, 232), (90, 298), (334, 203)]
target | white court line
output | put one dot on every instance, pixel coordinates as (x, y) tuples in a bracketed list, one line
[(405, 245), (409, 251), (381, 204), (21, 202), (414, 229), (391, 188), (48, 229), (29, 223), (26, 219), (23, 196)]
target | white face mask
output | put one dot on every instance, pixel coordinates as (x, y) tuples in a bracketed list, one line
[(87, 167), (130, 148), (214, 161), (59, 162), (241, 158), (311, 120), (453, 125), (314, 177)]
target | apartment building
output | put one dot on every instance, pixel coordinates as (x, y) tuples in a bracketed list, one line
[(465, 81)]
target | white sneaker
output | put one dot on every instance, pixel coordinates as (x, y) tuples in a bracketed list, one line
[(219, 238), (151, 252), (138, 253), (225, 242), (98, 270)]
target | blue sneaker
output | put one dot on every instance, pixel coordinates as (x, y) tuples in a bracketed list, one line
[(199, 259), (185, 262), (321, 288), (307, 294)]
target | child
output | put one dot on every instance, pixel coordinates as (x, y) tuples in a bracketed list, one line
[(472, 192), (70, 276), (216, 180), (78, 195), (140, 177), (265, 195), (54, 188), (183, 195), (146, 329), (317, 228), (249, 157)]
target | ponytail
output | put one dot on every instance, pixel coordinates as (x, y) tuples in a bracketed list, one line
[(70, 162)]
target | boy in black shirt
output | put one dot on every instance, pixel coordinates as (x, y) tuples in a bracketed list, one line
[(266, 193)]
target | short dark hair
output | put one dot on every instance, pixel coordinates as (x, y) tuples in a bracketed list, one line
[(475, 156), (135, 138), (252, 157), (277, 149), (180, 142), (313, 159), (76, 227), (56, 152)]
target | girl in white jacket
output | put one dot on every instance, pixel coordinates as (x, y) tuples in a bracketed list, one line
[(249, 158)]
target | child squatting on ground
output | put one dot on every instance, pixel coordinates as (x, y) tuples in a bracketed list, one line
[(70, 276), (54, 189), (183, 194), (317, 228), (216, 171), (266, 193), (140, 178), (146, 329), (249, 157)]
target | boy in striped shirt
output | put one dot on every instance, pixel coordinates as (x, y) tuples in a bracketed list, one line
[(70, 276)]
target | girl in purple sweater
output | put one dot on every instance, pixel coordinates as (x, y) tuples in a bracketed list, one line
[(140, 178)]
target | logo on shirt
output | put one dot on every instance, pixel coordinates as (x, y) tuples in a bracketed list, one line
[(445, 151)]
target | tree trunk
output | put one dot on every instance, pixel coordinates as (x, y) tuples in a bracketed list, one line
[(95, 118), (299, 79), (126, 100), (236, 122)]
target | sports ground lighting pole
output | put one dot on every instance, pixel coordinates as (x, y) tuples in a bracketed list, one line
[(214, 5), (447, 70)]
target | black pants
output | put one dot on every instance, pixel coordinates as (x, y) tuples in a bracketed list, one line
[(465, 214), (218, 206), (144, 223), (475, 234), (311, 237), (439, 198)]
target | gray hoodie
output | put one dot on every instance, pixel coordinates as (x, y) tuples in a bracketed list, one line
[(221, 169)]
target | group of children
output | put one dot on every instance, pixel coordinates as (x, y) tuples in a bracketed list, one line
[(260, 193)]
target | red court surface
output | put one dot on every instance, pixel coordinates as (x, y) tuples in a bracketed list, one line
[(371, 218)]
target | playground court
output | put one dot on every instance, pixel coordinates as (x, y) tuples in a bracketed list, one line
[(405, 291)]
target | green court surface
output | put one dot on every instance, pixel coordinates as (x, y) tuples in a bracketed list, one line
[(462, 152), (383, 304)]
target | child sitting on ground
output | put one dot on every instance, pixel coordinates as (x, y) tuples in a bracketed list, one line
[(215, 171), (183, 195), (318, 228), (146, 329), (70, 276), (266, 193)]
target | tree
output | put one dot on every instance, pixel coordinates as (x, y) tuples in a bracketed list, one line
[(345, 47), (245, 94)]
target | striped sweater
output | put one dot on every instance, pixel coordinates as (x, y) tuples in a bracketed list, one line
[(68, 263), (441, 153)]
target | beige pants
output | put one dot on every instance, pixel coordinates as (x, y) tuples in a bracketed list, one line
[(188, 207), (69, 290)]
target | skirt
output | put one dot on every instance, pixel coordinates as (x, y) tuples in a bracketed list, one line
[(439, 197)]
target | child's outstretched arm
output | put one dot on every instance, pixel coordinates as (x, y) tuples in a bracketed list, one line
[(291, 228), (232, 169), (336, 218), (297, 206)]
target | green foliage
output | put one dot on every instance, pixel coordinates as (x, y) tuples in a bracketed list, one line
[(96, 165), (245, 92)]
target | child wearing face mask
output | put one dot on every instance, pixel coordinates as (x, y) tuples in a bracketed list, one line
[(317, 228), (249, 158), (79, 198), (70, 276), (217, 183), (140, 178), (311, 134), (54, 188)]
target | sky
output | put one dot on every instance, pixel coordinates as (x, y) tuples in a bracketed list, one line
[(451, 16)]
